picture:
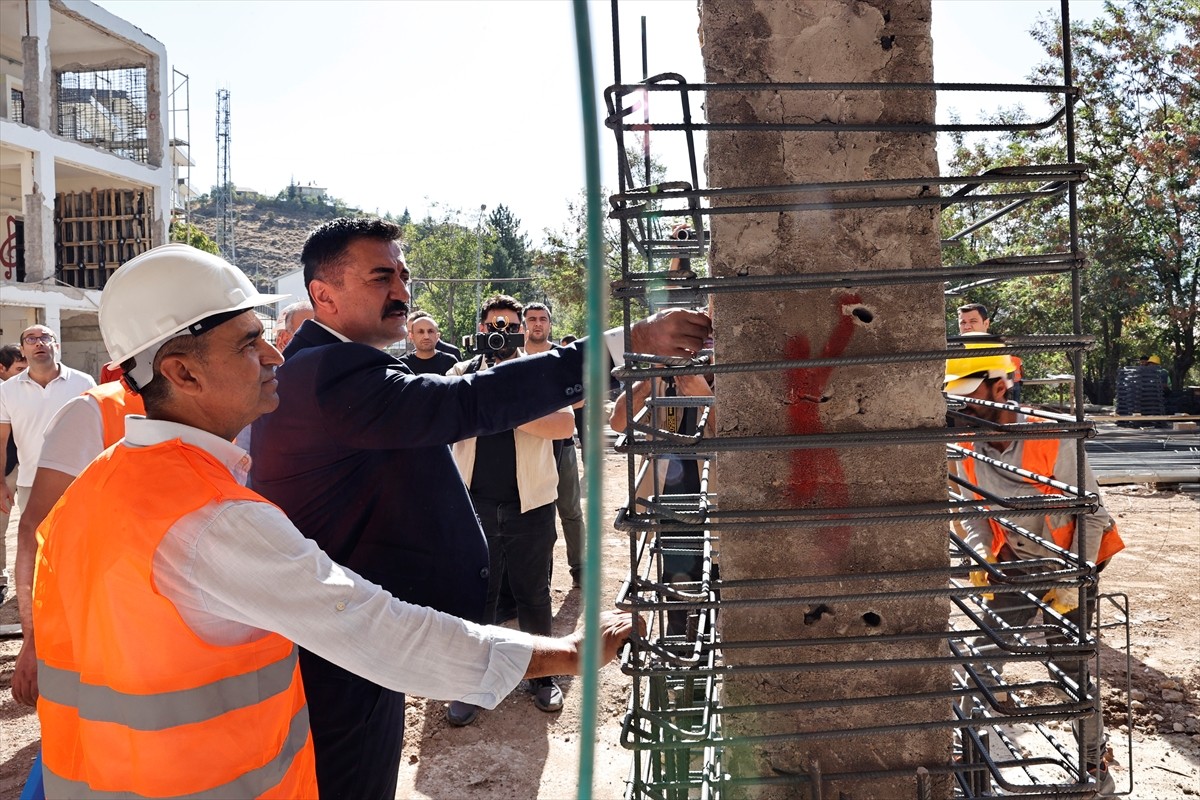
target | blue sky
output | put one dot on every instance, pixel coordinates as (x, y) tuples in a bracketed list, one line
[(394, 104)]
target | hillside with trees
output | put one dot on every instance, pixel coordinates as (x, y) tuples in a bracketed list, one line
[(449, 253)]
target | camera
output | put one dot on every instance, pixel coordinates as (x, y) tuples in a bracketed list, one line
[(499, 338), (684, 234)]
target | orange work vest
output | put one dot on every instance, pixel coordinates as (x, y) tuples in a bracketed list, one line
[(1039, 456), (132, 702), (115, 402)]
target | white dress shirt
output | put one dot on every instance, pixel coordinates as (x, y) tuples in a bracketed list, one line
[(237, 569)]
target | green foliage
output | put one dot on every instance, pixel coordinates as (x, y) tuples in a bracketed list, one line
[(510, 251), (445, 255), (1138, 132), (192, 235), (562, 265)]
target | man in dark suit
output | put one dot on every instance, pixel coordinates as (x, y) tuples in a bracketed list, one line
[(357, 455)]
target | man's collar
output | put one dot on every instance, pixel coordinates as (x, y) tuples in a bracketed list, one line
[(143, 432), (332, 331), (58, 373)]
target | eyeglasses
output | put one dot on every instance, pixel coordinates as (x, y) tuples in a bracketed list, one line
[(45, 338)]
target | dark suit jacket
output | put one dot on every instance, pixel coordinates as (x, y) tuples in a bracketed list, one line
[(357, 456)]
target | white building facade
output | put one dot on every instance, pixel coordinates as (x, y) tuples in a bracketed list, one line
[(87, 170)]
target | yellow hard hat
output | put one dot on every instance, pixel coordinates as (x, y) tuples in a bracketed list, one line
[(963, 375), (1154, 360), (974, 340)]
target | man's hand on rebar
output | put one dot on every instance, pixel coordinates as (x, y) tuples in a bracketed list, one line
[(563, 655), (615, 629), (674, 332)]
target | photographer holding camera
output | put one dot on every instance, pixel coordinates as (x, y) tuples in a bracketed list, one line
[(513, 481)]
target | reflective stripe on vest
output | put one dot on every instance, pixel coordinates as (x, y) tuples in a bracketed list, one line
[(1039, 456), (254, 783), (115, 403), (133, 703), (155, 712)]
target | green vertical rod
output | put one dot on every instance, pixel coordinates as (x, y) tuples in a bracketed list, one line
[(596, 386)]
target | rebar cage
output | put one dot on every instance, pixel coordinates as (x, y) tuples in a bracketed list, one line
[(1019, 730)]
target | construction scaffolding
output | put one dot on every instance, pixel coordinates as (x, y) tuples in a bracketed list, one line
[(1013, 727), (179, 110)]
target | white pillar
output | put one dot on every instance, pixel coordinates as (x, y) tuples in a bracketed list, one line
[(38, 188), (38, 84), (53, 317)]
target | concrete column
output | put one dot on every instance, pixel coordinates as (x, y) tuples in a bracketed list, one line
[(828, 41), (157, 116), (38, 188), (38, 78)]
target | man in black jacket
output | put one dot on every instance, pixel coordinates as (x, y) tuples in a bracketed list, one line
[(357, 455)]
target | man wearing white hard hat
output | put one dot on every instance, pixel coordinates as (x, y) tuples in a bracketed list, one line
[(169, 599), (985, 378)]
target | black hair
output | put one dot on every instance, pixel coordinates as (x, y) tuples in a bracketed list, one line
[(969, 307), (535, 306), (324, 252), (157, 392), (10, 354), (503, 302)]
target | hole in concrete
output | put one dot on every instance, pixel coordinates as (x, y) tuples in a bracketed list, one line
[(863, 315), (872, 619), (815, 614)]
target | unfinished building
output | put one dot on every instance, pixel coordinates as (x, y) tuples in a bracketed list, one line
[(835, 646), (88, 171)]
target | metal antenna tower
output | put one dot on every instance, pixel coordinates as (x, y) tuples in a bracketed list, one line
[(224, 189)]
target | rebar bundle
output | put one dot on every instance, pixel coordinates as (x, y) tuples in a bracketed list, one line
[(1016, 730)]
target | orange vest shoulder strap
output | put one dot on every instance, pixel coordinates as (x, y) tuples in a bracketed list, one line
[(115, 403)]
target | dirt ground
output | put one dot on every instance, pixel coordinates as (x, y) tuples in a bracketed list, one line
[(519, 752)]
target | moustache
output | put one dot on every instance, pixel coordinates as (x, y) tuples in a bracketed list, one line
[(395, 307)]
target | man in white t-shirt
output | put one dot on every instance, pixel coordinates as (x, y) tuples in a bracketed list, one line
[(28, 401), (72, 439)]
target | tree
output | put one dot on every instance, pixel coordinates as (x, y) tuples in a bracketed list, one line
[(444, 254), (1138, 132), (562, 269), (1139, 127), (192, 235), (510, 253)]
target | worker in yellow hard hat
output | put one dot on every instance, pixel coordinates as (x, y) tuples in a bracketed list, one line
[(986, 378)]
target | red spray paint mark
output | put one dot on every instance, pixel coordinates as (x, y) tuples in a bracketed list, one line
[(817, 477)]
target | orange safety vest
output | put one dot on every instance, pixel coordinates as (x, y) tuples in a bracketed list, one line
[(115, 402), (1039, 456), (132, 702)]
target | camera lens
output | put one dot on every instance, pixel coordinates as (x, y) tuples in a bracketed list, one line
[(495, 341), (685, 233)]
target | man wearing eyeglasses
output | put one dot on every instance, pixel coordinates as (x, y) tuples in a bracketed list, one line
[(28, 401)]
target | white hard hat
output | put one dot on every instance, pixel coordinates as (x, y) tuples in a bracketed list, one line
[(164, 292)]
